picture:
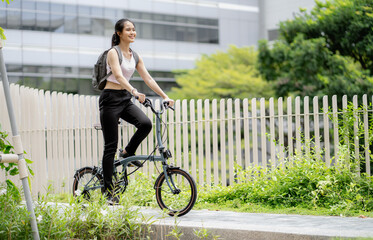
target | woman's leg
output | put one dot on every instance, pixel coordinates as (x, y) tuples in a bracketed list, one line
[(134, 115), (109, 122)]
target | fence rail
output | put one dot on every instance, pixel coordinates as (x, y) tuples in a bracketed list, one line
[(208, 138)]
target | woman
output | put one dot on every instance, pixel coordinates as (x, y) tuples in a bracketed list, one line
[(115, 100)]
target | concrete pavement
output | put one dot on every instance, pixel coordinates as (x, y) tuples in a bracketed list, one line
[(232, 225)]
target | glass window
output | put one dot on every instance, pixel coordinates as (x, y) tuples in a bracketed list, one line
[(192, 20), (84, 10), (70, 10), (71, 24), (42, 6), (145, 31), (44, 69), (191, 35), (97, 12), (109, 27), (181, 19), (147, 16), (170, 18), (85, 71), (158, 17), (208, 35), (42, 22), (28, 20), (29, 69), (206, 21), (13, 68), (109, 13), (159, 31), (56, 24), (58, 70), (122, 14), (57, 8), (134, 15), (180, 33), (84, 25), (213, 35), (14, 5), (3, 19), (203, 36), (27, 5), (98, 26), (170, 33)]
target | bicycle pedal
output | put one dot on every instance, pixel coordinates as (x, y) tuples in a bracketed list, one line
[(135, 164)]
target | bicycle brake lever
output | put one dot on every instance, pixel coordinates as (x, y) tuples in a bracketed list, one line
[(166, 105)]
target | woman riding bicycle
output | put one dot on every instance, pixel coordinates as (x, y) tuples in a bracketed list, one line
[(115, 101)]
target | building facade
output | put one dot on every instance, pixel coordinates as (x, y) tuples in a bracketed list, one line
[(272, 12), (53, 44)]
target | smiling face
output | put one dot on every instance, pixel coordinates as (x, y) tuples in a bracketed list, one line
[(128, 33)]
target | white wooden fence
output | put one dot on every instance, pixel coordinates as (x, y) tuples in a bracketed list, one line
[(207, 137)]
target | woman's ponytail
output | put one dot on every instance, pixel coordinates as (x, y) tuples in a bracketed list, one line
[(115, 40)]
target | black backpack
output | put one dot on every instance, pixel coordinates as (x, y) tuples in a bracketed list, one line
[(99, 71)]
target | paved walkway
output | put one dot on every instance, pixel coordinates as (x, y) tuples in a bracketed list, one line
[(231, 225)]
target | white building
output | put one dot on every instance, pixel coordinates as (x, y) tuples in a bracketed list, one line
[(53, 44)]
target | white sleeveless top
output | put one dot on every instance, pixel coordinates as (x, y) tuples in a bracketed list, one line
[(128, 67)]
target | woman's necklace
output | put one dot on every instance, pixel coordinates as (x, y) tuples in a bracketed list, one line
[(127, 56)]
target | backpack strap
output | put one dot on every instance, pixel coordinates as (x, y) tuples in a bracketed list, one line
[(120, 56), (135, 56)]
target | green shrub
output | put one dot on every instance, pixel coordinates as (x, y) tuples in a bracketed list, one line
[(304, 181)]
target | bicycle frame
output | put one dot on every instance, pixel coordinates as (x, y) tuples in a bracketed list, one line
[(164, 154)]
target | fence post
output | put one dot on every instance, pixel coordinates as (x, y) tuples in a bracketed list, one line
[(18, 157)]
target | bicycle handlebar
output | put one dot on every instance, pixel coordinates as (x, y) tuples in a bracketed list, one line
[(148, 103)]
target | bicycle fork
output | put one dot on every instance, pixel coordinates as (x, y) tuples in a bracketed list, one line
[(169, 179)]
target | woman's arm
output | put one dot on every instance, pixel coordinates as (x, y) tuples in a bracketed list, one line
[(141, 69)]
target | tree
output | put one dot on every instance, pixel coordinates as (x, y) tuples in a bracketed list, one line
[(230, 74), (325, 52)]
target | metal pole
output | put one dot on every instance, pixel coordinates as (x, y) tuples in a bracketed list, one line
[(23, 175)]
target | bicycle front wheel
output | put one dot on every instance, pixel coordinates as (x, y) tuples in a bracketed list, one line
[(87, 183), (181, 197)]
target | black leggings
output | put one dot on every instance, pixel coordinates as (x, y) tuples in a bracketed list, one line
[(115, 104)]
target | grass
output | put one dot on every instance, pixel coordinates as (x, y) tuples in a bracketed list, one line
[(140, 192)]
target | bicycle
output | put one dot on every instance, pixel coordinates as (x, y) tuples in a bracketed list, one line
[(175, 189)]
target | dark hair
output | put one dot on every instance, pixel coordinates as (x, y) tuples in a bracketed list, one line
[(115, 40)]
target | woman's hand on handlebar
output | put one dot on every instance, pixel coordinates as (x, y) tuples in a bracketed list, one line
[(139, 96), (169, 102)]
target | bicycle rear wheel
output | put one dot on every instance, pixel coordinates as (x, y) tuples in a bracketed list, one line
[(180, 202), (88, 183)]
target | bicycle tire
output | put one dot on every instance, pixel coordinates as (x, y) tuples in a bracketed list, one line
[(84, 177), (176, 203)]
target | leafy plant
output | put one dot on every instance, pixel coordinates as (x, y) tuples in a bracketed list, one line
[(230, 74), (304, 181), (76, 219), (326, 51), (11, 168)]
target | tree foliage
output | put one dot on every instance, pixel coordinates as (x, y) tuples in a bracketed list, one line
[(328, 51), (231, 74)]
